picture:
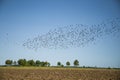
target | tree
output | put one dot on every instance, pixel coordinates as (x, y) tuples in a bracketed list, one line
[(59, 63), (48, 64), (76, 63), (22, 62), (8, 62), (15, 63), (38, 63), (62, 65), (43, 63), (68, 63), (31, 62)]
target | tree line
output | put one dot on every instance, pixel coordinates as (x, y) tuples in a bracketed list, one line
[(24, 62)]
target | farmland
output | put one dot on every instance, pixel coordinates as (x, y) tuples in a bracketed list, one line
[(50, 73)]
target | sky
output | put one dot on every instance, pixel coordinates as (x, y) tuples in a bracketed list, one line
[(21, 20)]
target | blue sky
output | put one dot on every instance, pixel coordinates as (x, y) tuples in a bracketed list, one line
[(23, 19)]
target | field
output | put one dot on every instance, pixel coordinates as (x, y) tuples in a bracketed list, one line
[(44, 73)]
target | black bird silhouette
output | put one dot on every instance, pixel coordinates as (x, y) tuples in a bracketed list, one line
[(77, 35)]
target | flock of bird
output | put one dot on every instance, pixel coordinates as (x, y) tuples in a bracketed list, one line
[(77, 35)]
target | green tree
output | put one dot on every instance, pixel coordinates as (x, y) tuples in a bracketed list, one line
[(43, 63), (48, 64), (68, 63), (38, 63), (62, 65), (76, 63), (22, 62), (8, 62), (30, 62), (15, 63), (59, 63)]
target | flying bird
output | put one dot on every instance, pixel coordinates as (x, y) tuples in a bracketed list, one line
[(77, 35)]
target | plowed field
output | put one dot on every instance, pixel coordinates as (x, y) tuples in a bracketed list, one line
[(37, 73)]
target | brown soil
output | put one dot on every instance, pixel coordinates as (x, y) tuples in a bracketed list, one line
[(58, 74)]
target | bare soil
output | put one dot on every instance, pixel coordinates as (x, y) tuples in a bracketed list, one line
[(37, 73)]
